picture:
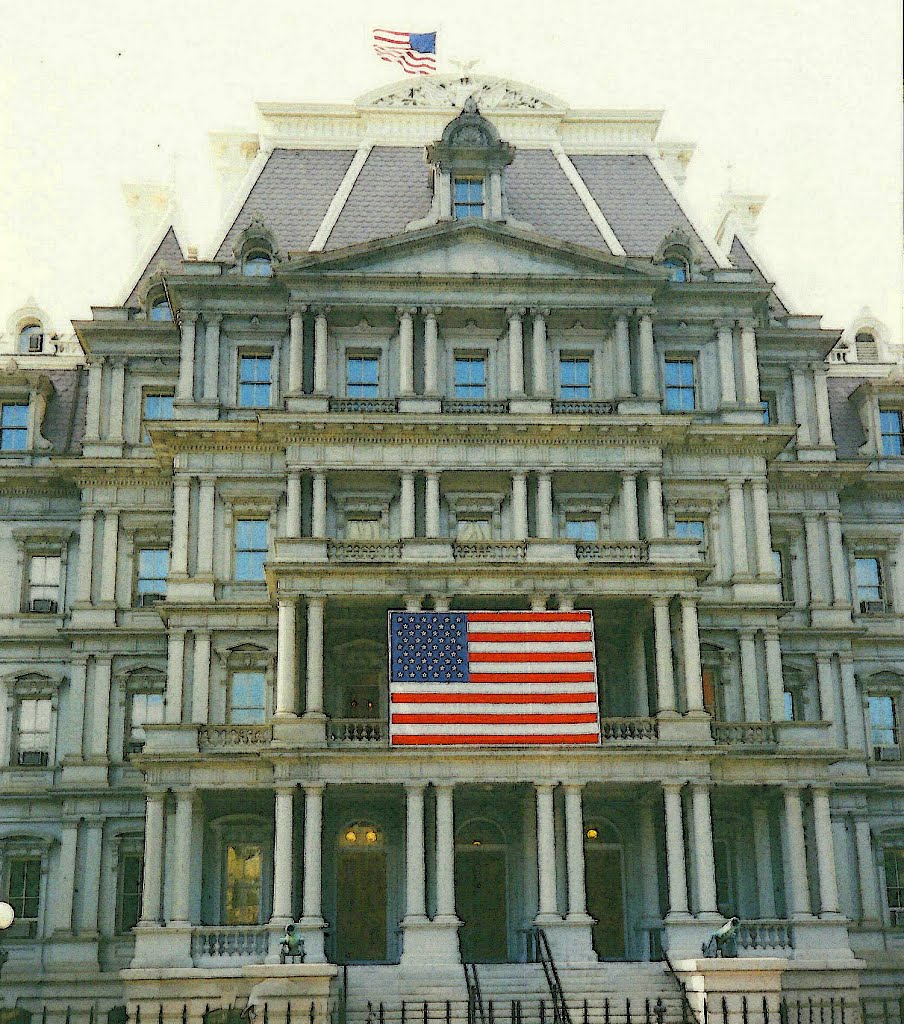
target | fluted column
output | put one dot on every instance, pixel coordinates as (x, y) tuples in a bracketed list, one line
[(674, 847), (623, 355), (544, 505), (445, 852), (296, 349), (283, 838), (431, 505), (206, 531), (318, 506), (662, 641), (182, 861), (212, 357), (415, 869), (870, 909), (648, 375), (574, 850), (841, 596), (538, 353), (749, 675), (655, 512), (406, 505), (546, 851), (764, 871), (853, 704), (85, 557), (823, 416), (311, 890), (152, 882), (515, 353), (749, 363), (762, 533), (175, 675), (801, 385), (406, 350), (181, 497), (321, 340), (775, 680), (431, 351), (95, 387), (826, 682), (693, 676), (117, 400), (286, 657), (825, 854), (631, 524), (727, 379), (796, 870), (704, 859), (519, 505), (109, 558), (293, 503), (814, 562), (314, 676), (738, 515), (186, 385)]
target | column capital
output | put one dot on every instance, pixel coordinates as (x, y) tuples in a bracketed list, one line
[(722, 323), (188, 316), (405, 311), (629, 474), (846, 657), (415, 786), (673, 785), (689, 599), (621, 312), (444, 786), (213, 319), (432, 311), (321, 310), (294, 308), (820, 789), (313, 788), (432, 474), (515, 312), (156, 796), (822, 657), (97, 361), (573, 787), (519, 474), (771, 632), (542, 787), (746, 323), (811, 515), (833, 515), (315, 600), (661, 600), (539, 312), (644, 312), (747, 632), (793, 787)]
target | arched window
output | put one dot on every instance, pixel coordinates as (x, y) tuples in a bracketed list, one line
[(867, 347), (678, 264), (160, 309), (257, 263), (31, 338)]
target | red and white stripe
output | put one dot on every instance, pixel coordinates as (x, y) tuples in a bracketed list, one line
[(532, 682), (395, 47)]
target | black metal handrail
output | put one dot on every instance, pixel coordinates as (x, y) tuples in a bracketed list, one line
[(561, 1013), (687, 1011), (475, 997)]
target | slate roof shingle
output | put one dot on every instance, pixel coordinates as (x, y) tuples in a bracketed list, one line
[(169, 251)]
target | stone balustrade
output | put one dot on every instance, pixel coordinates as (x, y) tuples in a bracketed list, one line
[(371, 405), (461, 406), (629, 728), (745, 732), (364, 550), (583, 407), (231, 737), (765, 935), (225, 944), (611, 551), (353, 732)]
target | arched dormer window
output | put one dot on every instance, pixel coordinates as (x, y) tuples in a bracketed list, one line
[(31, 338), (867, 347), (678, 264), (160, 309), (257, 262)]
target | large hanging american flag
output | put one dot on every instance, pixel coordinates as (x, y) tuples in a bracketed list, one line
[(492, 678), (415, 51)]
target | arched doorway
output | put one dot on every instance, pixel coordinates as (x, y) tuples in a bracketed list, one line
[(605, 888), (481, 896), (361, 879)]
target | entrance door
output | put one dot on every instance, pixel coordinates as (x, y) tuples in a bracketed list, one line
[(605, 900), (481, 904), (361, 906)]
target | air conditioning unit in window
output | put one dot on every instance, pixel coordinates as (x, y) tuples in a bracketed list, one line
[(872, 607), (36, 343), (134, 746), (888, 753), (148, 600), (44, 606), (32, 758)]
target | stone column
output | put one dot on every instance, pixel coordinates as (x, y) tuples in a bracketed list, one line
[(853, 705), (738, 515), (181, 496), (538, 354), (152, 882), (212, 357), (649, 867), (318, 506), (117, 400), (648, 375), (321, 340), (312, 919), (90, 890), (283, 837), (826, 686), (85, 557), (538, 602), (185, 389), (750, 686), (431, 503), (662, 641), (441, 603), (764, 872), (515, 353), (182, 861), (704, 858), (762, 533), (72, 724), (728, 384), (813, 543), (775, 682), (431, 351), (100, 712), (406, 350), (445, 852), (296, 349), (175, 674), (544, 505), (825, 854), (314, 677), (840, 581), (293, 503), (286, 657), (823, 416), (574, 848), (206, 500), (693, 675), (800, 386), (655, 513), (629, 506), (109, 558), (406, 506), (59, 913), (623, 355), (200, 692), (749, 363), (546, 853), (674, 848), (639, 672), (95, 386), (519, 505), (415, 867), (796, 874), (870, 909)]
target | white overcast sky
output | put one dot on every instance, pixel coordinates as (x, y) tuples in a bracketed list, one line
[(802, 99)]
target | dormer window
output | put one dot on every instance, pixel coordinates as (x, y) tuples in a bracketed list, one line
[(160, 309), (867, 347), (257, 263), (678, 265), (468, 198), (31, 339)]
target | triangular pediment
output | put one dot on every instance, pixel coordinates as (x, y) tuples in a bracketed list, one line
[(471, 247)]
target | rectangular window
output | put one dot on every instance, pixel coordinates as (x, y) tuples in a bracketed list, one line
[(363, 529), (14, 427), (582, 529), (471, 377), (574, 378), (768, 405), (128, 896), (469, 530), (680, 390), (694, 529), (244, 863), (790, 706), (44, 583), (156, 405), (247, 698), (255, 380), (153, 566), (870, 592), (362, 376), (23, 893), (894, 886), (468, 200), (780, 567), (883, 725), (144, 709), (250, 548), (892, 424), (33, 731)]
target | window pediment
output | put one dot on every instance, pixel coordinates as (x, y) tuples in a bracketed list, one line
[(33, 684)]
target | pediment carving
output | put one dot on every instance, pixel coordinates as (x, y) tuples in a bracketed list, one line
[(452, 92)]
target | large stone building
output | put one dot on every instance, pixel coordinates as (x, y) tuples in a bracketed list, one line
[(456, 346)]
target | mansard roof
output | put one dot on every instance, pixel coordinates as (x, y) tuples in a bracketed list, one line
[(168, 253)]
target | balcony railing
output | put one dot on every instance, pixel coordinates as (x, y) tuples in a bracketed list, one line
[(579, 407), (364, 405), (745, 732), (765, 934), (364, 550), (357, 732), (629, 728), (490, 550), (245, 944), (611, 551), (232, 737), (474, 405)]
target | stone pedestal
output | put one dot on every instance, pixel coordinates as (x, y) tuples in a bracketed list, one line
[(308, 403), (307, 731), (570, 940), (430, 942), (158, 947), (420, 404)]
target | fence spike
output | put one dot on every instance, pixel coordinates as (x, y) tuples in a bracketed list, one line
[(448, 1012), (492, 1012), (646, 1011), (542, 1011), (659, 1010), (744, 1017), (382, 1013), (724, 1010), (426, 1014), (288, 1012), (185, 1013), (606, 1011), (586, 1013), (159, 1014), (266, 1013), (44, 1014), (137, 1015), (705, 1009), (68, 1014), (627, 1011)]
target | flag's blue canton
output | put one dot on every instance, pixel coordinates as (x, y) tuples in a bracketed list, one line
[(422, 42), (429, 647)]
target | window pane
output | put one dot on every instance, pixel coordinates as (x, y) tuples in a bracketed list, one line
[(243, 883), (23, 888), (582, 529), (131, 867), (161, 310), (34, 724), (257, 264), (882, 720), (247, 698), (869, 580), (789, 706), (363, 375), (470, 377), (468, 530), (575, 378), (894, 885), (892, 431), (153, 566), (468, 198), (14, 427), (254, 381), (679, 391), (695, 529)]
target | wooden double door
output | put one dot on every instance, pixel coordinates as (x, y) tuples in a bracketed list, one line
[(606, 899), (361, 906), (482, 903)]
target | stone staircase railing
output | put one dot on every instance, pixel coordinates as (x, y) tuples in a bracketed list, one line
[(764, 934), (246, 943)]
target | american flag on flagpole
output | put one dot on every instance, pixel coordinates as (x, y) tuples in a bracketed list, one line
[(492, 679), (415, 51)]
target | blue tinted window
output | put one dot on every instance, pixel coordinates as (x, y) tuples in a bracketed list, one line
[(574, 377), (157, 406), (468, 199), (362, 376), (14, 427), (254, 381), (470, 376), (257, 264), (250, 548), (153, 565), (695, 529), (678, 268), (582, 529), (247, 698), (869, 581), (680, 392), (161, 310), (892, 432)]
